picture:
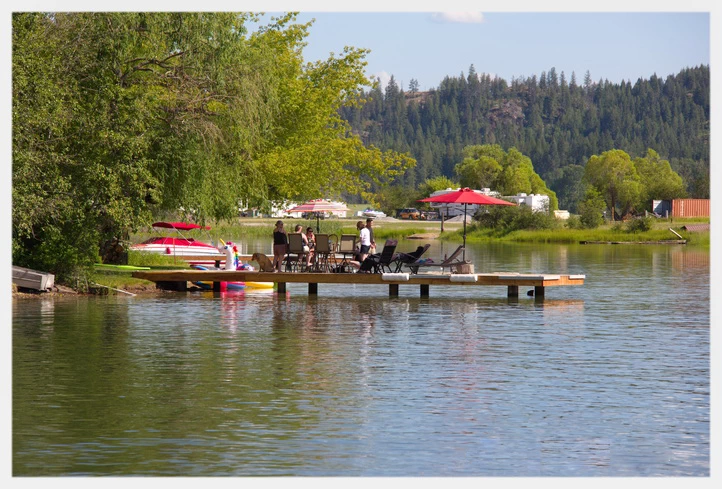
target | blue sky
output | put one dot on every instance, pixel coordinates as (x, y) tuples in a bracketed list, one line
[(425, 40), (428, 46)]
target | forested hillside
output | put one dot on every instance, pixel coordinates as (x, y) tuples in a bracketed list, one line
[(558, 122)]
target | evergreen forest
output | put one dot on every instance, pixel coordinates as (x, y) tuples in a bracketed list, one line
[(558, 122)]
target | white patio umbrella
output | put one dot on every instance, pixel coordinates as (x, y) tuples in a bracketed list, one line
[(318, 206)]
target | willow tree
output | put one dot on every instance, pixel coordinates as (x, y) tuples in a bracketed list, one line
[(615, 177), (313, 152), (508, 172), (658, 180), (120, 116)]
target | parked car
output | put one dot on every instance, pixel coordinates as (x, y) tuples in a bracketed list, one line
[(409, 213)]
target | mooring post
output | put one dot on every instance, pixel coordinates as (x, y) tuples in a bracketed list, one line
[(216, 286), (512, 291), (393, 290), (281, 287), (539, 291), (312, 288), (424, 290)]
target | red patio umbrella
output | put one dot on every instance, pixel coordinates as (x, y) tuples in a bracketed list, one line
[(318, 206), (466, 196)]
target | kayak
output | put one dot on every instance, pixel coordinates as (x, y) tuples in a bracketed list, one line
[(130, 268), (260, 285)]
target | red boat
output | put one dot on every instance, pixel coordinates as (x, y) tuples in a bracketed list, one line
[(176, 245)]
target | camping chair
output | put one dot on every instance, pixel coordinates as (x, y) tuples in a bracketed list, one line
[(296, 256), (323, 253), (451, 262), (347, 248), (402, 259), (381, 262)]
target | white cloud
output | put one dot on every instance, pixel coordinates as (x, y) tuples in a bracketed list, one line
[(383, 78), (458, 17)]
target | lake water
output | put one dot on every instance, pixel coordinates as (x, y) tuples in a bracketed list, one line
[(611, 378)]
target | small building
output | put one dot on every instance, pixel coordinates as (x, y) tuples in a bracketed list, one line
[(681, 207), (537, 202)]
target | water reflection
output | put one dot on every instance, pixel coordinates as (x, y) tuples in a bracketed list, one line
[(607, 379)]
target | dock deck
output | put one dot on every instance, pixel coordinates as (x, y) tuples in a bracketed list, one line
[(178, 279)]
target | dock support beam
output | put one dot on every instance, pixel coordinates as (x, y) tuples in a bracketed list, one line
[(393, 290), (281, 287), (424, 290), (216, 286), (312, 288), (512, 291), (539, 291)]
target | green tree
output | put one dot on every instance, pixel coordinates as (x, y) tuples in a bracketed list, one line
[(413, 86), (658, 179), (391, 198), (591, 209), (509, 173), (482, 172), (614, 176), (118, 116), (431, 185)]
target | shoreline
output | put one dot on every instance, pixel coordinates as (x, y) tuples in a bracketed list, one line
[(147, 289)]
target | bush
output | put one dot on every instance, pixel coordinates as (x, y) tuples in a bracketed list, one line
[(591, 209), (508, 219), (574, 222), (590, 215), (640, 224)]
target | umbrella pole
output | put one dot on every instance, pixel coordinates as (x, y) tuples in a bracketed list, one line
[(318, 226), (463, 251)]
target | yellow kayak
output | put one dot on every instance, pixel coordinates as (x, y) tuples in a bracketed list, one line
[(260, 285)]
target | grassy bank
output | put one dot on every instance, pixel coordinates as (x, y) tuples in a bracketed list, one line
[(607, 232)]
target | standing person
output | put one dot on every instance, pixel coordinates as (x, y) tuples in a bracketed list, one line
[(370, 226), (304, 239), (280, 245), (364, 240)]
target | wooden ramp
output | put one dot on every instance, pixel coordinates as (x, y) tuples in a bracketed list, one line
[(178, 279), (32, 279)]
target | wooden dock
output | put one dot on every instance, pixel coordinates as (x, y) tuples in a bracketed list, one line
[(178, 280)]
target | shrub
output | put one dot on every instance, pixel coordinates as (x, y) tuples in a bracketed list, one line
[(640, 224), (591, 208), (508, 219), (574, 222)]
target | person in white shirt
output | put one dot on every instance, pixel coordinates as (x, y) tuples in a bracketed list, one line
[(364, 240), (370, 226)]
